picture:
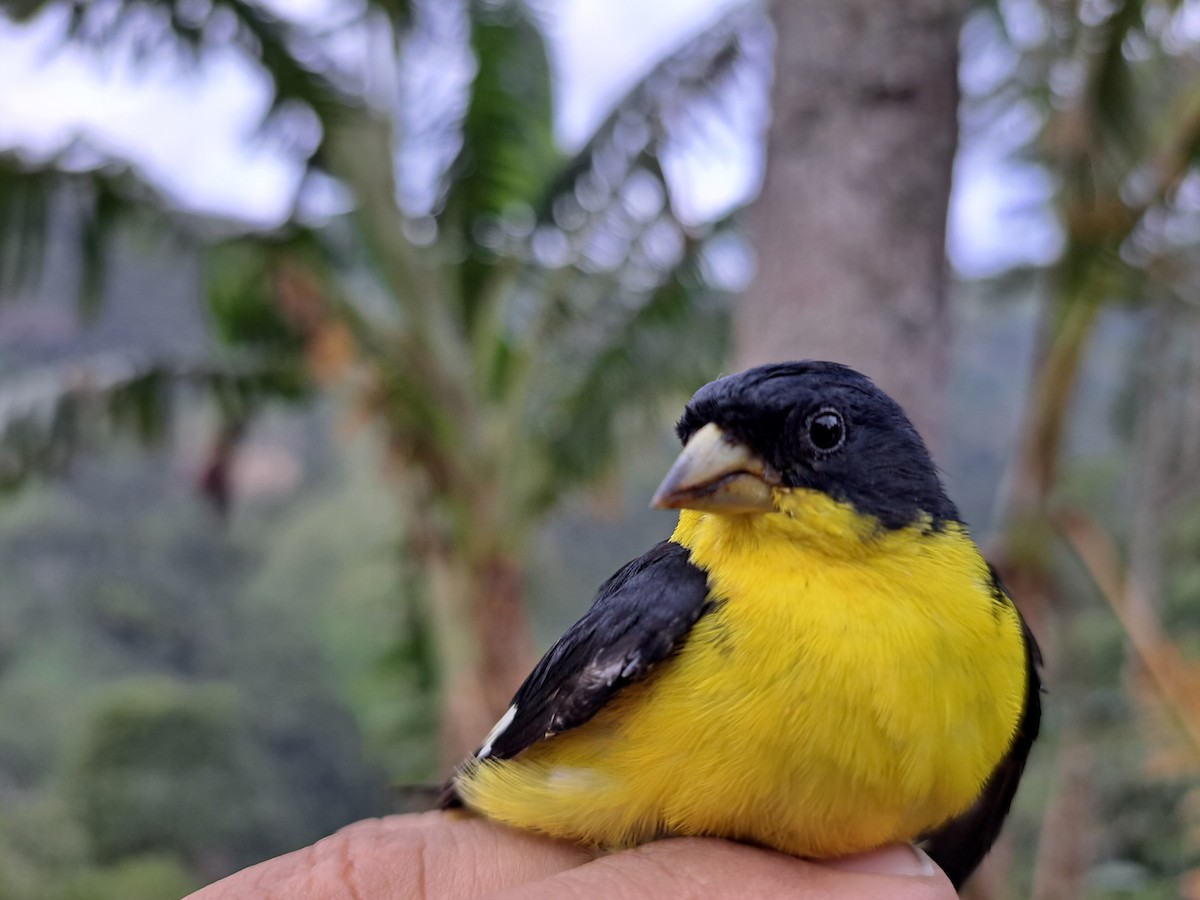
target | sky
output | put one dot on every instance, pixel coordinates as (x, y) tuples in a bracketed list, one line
[(198, 140)]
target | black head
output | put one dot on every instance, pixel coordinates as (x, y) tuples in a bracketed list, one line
[(824, 426)]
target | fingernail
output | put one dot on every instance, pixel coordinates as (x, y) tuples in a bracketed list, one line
[(895, 859)]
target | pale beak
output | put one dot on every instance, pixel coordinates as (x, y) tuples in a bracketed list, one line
[(715, 473)]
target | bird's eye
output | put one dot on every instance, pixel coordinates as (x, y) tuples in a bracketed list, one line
[(826, 430)]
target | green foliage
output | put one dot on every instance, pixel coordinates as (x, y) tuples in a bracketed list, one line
[(24, 197), (36, 196), (146, 877), (1181, 600), (1112, 89), (363, 611), (466, 357), (507, 148), (676, 336), (242, 300), (170, 693), (501, 340), (40, 839), (157, 772), (50, 415)]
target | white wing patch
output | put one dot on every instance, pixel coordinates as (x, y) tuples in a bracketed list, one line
[(505, 720)]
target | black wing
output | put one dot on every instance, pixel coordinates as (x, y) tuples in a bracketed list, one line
[(961, 844), (639, 616)]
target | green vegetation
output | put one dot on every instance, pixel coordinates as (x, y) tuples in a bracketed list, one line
[(179, 698)]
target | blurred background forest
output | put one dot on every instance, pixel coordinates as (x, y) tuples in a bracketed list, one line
[(340, 345)]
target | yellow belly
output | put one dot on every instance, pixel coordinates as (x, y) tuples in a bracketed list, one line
[(831, 703)]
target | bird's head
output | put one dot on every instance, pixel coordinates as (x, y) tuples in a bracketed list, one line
[(799, 439)]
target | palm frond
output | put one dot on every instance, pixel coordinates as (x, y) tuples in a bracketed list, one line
[(683, 82), (295, 60), (49, 415), (507, 145), (36, 197), (632, 350)]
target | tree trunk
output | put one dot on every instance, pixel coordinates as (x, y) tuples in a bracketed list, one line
[(471, 560), (502, 629), (850, 228), (484, 648)]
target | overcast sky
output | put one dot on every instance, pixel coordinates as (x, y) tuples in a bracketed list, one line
[(197, 138)]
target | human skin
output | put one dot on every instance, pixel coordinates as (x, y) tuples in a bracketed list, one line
[(440, 856)]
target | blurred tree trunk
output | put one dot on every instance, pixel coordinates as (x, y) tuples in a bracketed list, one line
[(850, 228), (483, 634)]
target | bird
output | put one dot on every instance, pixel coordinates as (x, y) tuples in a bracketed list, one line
[(818, 660)]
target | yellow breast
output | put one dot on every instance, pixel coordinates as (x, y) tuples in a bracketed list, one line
[(851, 688)]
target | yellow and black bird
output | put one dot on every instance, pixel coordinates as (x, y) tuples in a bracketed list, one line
[(819, 659)]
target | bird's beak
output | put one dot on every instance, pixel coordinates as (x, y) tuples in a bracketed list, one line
[(717, 474)]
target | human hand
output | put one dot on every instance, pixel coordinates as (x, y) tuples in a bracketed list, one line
[(435, 856)]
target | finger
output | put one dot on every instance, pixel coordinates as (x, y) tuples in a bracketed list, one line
[(708, 868), (432, 856), (895, 859)]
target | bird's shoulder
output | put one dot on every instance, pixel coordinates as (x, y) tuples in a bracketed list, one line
[(639, 617)]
